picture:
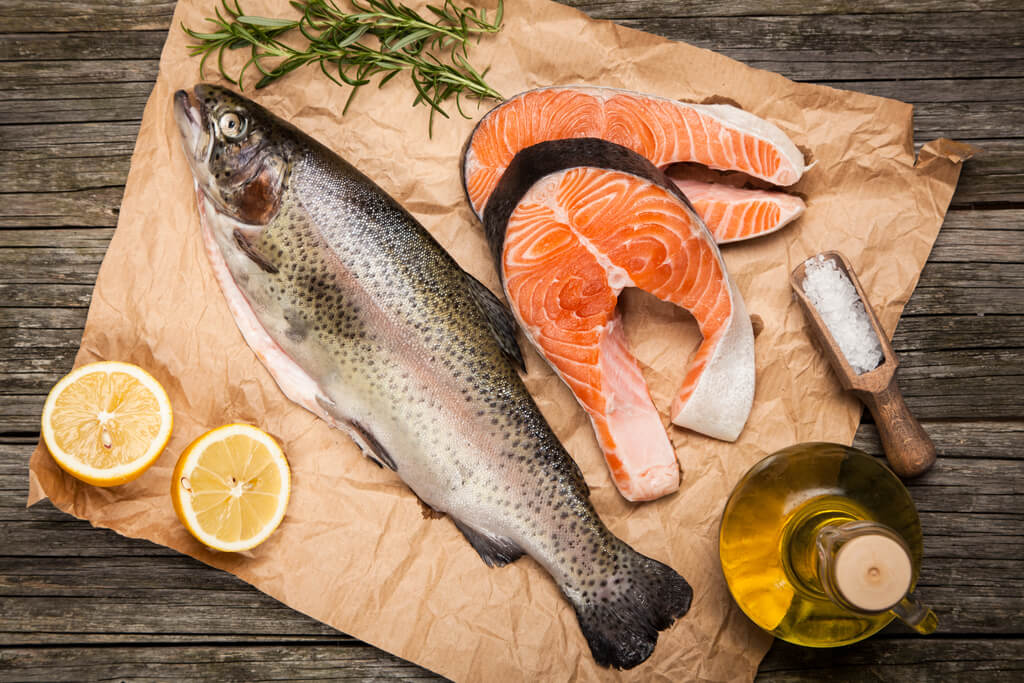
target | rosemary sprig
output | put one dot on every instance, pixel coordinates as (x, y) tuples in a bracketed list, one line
[(378, 38)]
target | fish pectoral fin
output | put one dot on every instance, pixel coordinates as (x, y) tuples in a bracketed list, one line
[(499, 319), (366, 441), (371, 448), (495, 551), (246, 245)]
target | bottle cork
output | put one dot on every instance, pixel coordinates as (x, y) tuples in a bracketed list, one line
[(873, 572)]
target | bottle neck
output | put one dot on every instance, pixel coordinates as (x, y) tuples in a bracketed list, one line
[(863, 566)]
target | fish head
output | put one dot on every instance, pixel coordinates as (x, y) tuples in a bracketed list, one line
[(238, 151)]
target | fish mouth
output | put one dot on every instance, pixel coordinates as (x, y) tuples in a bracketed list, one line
[(188, 115)]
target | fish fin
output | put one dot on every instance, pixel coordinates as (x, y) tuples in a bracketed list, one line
[(499, 319), (371, 448), (245, 244), (366, 441), (495, 551), (622, 614)]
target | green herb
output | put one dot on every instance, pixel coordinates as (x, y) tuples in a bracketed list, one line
[(379, 37)]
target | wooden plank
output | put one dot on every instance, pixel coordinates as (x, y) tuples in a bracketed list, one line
[(292, 661), (54, 182), (935, 333), (25, 319), (26, 334), (134, 15), (100, 588), (912, 660), (58, 264), (19, 414), (45, 141), (89, 107), (978, 477), (942, 384), (967, 236), (95, 207), (963, 108), (80, 169), (102, 595), (81, 15), (858, 46), (53, 74), (821, 47), (974, 250), (983, 110), (961, 440), (628, 9), (62, 327), (147, 610), (996, 175), (86, 46)]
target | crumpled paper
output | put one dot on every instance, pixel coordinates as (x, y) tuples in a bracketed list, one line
[(354, 550)]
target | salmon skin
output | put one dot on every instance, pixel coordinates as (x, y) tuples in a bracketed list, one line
[(362, 318), (572, 223), (664, 131), (733, 214)]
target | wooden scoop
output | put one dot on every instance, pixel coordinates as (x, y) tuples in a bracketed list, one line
[(907, 446)]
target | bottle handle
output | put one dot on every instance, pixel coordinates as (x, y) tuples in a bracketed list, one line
[(915, 615)]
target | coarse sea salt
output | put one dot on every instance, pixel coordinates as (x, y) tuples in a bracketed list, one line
[(837, 302)]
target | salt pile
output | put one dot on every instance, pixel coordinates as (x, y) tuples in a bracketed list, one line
[(836, 300)]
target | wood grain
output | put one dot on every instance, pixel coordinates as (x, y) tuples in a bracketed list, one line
[(80, 603)]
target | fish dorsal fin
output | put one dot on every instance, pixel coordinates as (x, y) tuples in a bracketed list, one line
[(495, 551), (499, 319)]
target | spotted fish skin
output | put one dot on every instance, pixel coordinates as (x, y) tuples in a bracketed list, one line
[(364, 319)]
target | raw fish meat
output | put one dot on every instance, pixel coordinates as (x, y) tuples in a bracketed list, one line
[(570, 224), (664, 131), (733, 214)]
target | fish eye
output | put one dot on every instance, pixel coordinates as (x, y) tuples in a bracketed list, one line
[(231, 125)]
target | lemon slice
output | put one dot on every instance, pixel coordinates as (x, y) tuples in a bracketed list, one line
[(230, 487), (106, 422)]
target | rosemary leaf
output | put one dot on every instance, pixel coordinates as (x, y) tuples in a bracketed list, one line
[(378, 38)]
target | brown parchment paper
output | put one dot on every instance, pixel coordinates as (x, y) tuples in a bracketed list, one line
[(354, 550)]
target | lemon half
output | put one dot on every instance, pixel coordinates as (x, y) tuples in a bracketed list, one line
[(106, 422), (231, 486)]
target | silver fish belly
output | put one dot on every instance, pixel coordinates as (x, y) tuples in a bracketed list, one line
[(365, 320)]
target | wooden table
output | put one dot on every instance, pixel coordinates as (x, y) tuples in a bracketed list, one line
[(79, 603)]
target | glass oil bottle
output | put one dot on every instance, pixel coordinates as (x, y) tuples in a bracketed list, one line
[(821, 545)]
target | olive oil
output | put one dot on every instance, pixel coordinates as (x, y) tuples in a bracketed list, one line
[(779, 535)]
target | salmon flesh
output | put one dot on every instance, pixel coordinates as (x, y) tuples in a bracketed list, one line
[(663, 131), (363, 319), (571, 224), (733, 214)]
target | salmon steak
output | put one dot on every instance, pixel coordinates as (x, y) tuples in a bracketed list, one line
[(733, 214), (664, 131), (571, 224)]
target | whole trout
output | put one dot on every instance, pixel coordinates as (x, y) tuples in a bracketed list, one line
[(363, 319)]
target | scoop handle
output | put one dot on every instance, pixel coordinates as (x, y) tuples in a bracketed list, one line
[(909, 449)]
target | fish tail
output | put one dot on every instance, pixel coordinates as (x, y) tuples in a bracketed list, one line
[(621, 613)]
